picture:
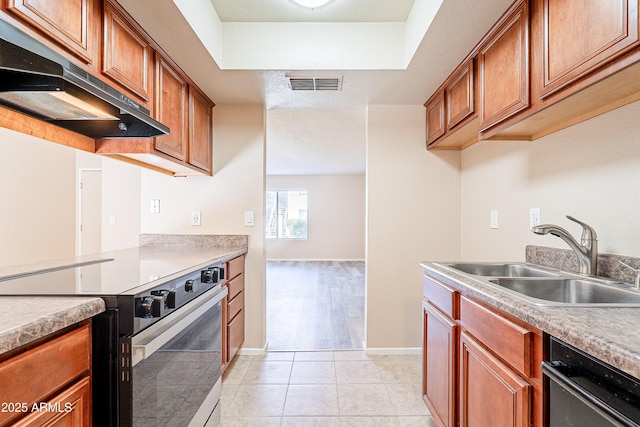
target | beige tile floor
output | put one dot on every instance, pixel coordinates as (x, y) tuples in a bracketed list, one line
[(329, 388)]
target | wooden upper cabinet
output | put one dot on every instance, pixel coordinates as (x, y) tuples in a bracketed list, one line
[(451, 107), (459, 95), (171, 109), (67, 22), (579, 36), (127, 54), (503, 67), (436, 126), (200, 130)]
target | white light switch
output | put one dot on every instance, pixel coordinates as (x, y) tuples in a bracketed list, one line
[(493, 223), (248, 219), (112, 219)]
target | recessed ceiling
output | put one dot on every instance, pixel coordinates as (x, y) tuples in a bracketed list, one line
[(315, 142), (315, 115), (338, 11)]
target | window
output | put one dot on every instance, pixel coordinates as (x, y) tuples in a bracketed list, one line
[(286, 214)]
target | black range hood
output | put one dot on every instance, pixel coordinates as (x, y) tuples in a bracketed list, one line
[(39, 82)]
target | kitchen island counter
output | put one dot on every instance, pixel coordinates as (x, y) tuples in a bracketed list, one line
[(607, 333), (44, 297), (27, 319)]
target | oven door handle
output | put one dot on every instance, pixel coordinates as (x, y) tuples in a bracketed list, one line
[(554, 371), (151, 339)]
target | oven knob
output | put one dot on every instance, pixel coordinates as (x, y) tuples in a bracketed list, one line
[(157, 307), (206, 276), (167, 295), (215, 275), (144, 307), (188, 286)]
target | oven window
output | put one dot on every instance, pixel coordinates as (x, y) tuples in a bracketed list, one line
[(170, 385)]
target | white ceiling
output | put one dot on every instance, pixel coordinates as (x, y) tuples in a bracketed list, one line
[(326, 126), (338, 11)]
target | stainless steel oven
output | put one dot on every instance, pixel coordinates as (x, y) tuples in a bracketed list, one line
[(176, 367), (156, 350)]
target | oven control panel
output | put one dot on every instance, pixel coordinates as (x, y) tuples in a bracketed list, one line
[(165, 298)]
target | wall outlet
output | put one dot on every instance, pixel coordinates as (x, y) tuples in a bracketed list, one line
[(154, 207), (493, 221), (195, 218), (534, 217)]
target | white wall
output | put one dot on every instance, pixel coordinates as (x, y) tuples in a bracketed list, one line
[(37, 199), (590, 171), (237, 186), (413, 214), (336, 218)]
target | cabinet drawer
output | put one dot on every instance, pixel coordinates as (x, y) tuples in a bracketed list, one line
[(235, 334), (235, 305), (509, 341), (236, 285), (54, 363), (442, 297), (235, 267)]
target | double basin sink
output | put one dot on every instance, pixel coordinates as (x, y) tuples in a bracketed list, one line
[(549, 287)]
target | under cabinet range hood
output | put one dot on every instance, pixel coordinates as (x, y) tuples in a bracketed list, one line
[(39, 82)]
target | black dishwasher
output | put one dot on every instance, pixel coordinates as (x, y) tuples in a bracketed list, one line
[(586, 392)]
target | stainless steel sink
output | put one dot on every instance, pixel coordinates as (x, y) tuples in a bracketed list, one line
[(549, 287), (570, 291), (500, 270)]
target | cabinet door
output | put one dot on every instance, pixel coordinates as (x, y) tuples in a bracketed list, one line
[(70, 408), (225, 339), (126, 54), (579, 36), (439, 365), (435, 117), (459, 95), (503, 68), (235, 335), (491, 394), (200, 138), (171, 109), (67, 22)]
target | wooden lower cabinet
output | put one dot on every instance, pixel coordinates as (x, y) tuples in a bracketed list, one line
[(439, 371), (491, 393), (49, 383), (481, 367), (233, 309), (70, 408)]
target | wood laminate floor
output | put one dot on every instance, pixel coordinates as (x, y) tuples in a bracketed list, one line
[(315, 305)]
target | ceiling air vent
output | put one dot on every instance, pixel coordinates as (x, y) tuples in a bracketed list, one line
[(315, 83)]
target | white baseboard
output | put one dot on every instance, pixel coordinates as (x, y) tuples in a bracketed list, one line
[(253, 351), (317, 259), (391, 350)]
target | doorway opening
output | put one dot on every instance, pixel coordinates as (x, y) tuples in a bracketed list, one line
[(315, 305)]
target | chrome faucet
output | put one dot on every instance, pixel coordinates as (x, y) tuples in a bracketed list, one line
[(586, 250)]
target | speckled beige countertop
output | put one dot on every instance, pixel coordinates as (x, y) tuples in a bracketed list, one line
[(611, 334), (26, 319)]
